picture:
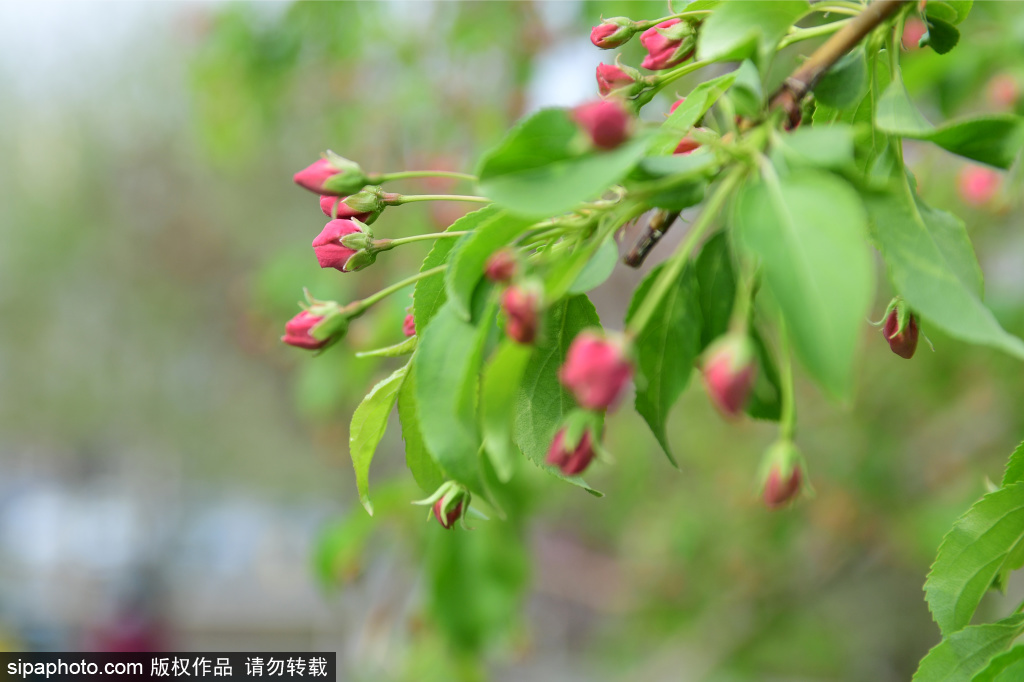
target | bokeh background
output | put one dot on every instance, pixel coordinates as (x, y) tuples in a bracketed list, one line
[(172, 477)]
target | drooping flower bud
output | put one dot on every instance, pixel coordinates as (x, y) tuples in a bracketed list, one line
[(320, 325), (501, 266), (689, 143), (606, 122), (365, 205), (571, 459), (900, 329), (342, 245), (782, 474), (334, 175), (612, 33), (409, 325), (977, 185), (618, 79), (913, 31), (521, 308), (668, 44), (675, 105), (729, 371), (447, 519), (596, 370), (1003, 91)]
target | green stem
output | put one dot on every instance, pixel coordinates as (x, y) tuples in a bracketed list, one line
[(787, 418), (661, 80), (651, 23), (798, 34), (386, 244), (408, 199), (401, 175), (358, 307), (677, 261)]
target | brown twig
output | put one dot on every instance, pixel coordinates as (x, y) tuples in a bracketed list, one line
[(796, 87), (655, 229)]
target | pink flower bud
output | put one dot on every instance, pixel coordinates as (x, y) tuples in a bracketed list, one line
[(451, 517), (335, 207), (574, 461), (913, 31), (669, 43), (606, 122), (903, 342), (611, 78), (409, 325), (596, 370), (688, 143), (675, 105), (332, 252), (978, 184), (1003, 91), (521, 308), (297, 331), (612, 33), (729, 371), (501, 266), (333, 175), (781, 486)]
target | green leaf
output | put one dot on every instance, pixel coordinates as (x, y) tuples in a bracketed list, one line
[(369, 422), (942, 36), (965, 653), (962, 7), (471, 253), (399, 349), (993, 139), (716, 284), (823, 146), (536, 171), (429, 294), (501, 380), (846, 83), (971, 555), (682, 167), (598, 269), (936, 9), (932, 265), (425, 471), (808, 233), (665, 349), (741, 30), (542, 403), (746, 93), (1006, 667), (447, 375), (1014, 467), (765, 401), (686, 115)]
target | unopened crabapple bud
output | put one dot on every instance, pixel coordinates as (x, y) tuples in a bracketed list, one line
[(977, 185), (913, 31), (521, 309), (900, 330), (729, 370), (596, 369), (668, 44), (409, 325), (571, 460), (447, 519), (675, 105), (612, 33), (297, 331), (342, 245), (782, 475), (323, 323), (365, 205), (501, 266), (611, 78), (334, 175), (606, 122)]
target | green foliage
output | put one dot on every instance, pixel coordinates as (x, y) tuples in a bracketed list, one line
[(369, 422), (737, 31), (967, 652), (471, 253)]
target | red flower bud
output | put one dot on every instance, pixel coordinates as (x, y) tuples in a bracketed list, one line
[(688, 143), (729, 371), (574, 461), (612, 33), (334, 175), (521, 308), (596, 370), (501, 266), (977, 184), (331, 249), (780, 486), (451, 517), (1003, 91), (297, 331), (335, 207), (606, 122), (669, 43), (610, 78), (913, 31), (409, 325), (675, 105), (903, 342)]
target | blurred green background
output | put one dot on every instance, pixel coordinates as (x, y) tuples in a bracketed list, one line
[(174, 477)]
